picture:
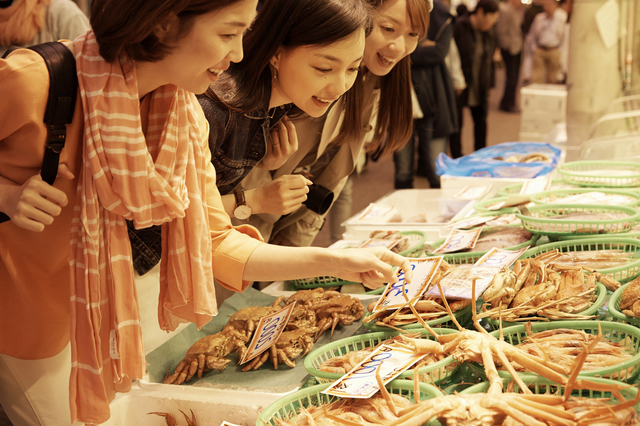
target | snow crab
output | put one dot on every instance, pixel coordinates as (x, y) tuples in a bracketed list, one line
[(341, 309), (171, 420), (630, 299), (289, 346), (208, 354)]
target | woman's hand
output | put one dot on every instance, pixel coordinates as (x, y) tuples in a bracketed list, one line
[(281, 196), (282, 143), (371, 266), (35, 204)]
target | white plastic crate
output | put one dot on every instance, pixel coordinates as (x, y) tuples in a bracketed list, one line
[(432, 204), (543, 107)]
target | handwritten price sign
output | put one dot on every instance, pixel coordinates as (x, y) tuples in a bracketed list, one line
[(394, 294), (459, 240), (499, 258), (361, 381), (269, 329)]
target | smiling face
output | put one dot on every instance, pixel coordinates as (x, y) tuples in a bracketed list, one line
[(392, 38), (312, 77), (214, 41)]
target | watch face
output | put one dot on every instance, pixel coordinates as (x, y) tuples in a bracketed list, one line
[(242, 212)]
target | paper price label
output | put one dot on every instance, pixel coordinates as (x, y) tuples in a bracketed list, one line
[(267, 332), (225, 423), (470, 222), (536, 185), (361, 381), (457, 285), (472, 193), (459, 240), (379, 242), (423, 272), (376, 212), (500, 258)]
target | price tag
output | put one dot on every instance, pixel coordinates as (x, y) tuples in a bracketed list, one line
[(457, 285), (225, 423), (379, 242), (267, 332), (361, 381), (470, 222), (536, 185), (459, 240), (377, 213), (423, 272), (499, 258), (472, 193)]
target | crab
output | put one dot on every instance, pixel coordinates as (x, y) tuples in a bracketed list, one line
[(630, 299), (208, 354), (341, 309), (301, 317), (246, 319), (502, 289), (171, 420), (289, 346)]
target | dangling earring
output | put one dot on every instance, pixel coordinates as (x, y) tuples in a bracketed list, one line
[(274, 74)]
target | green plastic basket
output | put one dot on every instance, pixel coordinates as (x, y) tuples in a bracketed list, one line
[(462, 316), (539, 220), (601, 294), (622, 273), (626, 371), (515, 189), (630, 234), (417, 239), (435, 373), (540, 385), (481, 207), (614, 308), (288, 406), (611, 174), (464, 260), (543, 197)]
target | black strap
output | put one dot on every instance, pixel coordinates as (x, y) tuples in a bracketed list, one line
[(63, 89)]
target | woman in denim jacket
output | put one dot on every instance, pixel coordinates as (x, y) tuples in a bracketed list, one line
[(307, 64)]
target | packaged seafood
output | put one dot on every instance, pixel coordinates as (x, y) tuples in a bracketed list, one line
[(610, 198), (595, 259)]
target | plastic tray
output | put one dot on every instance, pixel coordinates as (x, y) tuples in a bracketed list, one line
[(417, 239), (601, 173), (614, 308), (481, 207), (462, 316), (540, 385), (539, 221), (625, 371), (601, 294), (478, 254), (622, 273), (515, 189), (540, 197), (288, 406), (434, 373)]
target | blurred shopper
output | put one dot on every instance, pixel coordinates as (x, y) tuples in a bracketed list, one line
[(510, 41), (434, 90), (27, 22), (476, 43), (546, 36)]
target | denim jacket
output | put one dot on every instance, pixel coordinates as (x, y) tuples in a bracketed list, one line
[(237, 141)]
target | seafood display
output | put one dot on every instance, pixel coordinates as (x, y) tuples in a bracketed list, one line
[(595, 197), (630, 299), (539, 287), (316, 311), (562, 346), (403, 244), (595, 259), (344, 363), (171, 420), (593, 217), (528, 158), (427, 308)]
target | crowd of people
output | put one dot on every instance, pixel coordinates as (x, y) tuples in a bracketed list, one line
[(454, 68), (214, 137)]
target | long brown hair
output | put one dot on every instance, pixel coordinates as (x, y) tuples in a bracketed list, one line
[(394, 125), (286, 23), (128, 25)]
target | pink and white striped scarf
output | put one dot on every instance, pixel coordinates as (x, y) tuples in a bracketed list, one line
[(154, 179)]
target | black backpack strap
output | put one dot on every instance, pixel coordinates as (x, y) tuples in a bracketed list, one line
[(63, 89)]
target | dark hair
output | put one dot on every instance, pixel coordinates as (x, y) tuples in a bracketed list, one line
[(487, 6), (394, 125), (128, 25), (461, 10), (286, 23)]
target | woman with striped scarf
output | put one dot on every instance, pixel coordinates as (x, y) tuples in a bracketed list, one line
[(136, 150)]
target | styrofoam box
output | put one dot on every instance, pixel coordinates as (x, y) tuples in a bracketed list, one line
[(410, 203), (549, 98), (457, 182), (210, 406)]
